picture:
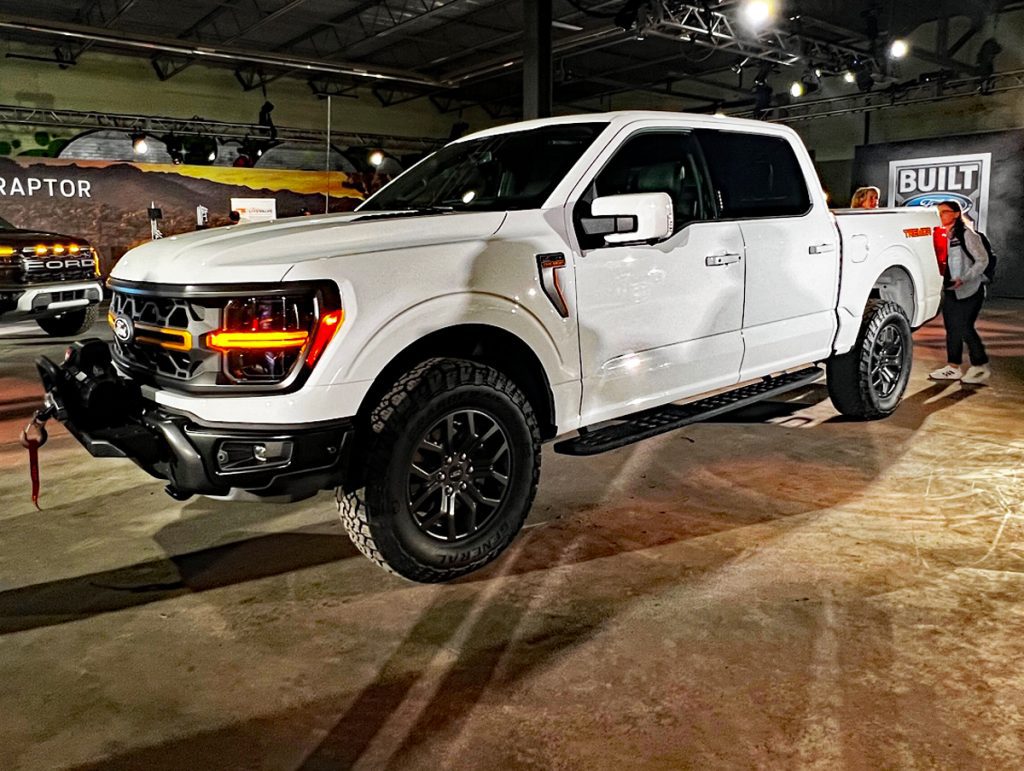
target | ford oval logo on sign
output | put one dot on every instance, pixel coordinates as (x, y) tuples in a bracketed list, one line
[(934, 199), (124, 329)]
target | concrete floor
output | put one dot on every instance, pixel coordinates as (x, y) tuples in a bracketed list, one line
[(802, 592)]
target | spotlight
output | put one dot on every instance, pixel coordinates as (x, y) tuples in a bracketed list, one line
[(849, 77), (810, 82), (200, 151), (758, 13), (899, 48), (796, 89), (139, 143), (864, 80), (174, 148), (376, 158)]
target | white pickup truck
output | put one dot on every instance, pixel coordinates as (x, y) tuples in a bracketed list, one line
[(598, 279)]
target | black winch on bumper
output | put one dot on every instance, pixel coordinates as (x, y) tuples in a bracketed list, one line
[(107, 414)]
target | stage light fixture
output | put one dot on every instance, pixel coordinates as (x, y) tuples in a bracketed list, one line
[(758, 13), (796, 89), (139, 144), (849, 77), (376, 158), (899, 48)]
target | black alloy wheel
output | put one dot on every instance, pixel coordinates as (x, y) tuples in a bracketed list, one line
[(868, 381), (459, 475), (451, 467), (887, 361)]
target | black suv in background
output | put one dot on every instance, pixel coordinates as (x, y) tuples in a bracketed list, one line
[(50, 278)]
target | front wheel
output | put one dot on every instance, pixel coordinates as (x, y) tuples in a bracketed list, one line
[(69, 323), (868, 382), (452, 467)]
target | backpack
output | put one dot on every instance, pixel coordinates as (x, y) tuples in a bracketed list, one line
[(990, 269)]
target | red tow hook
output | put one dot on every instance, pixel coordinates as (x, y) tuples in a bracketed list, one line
[(33, 437)]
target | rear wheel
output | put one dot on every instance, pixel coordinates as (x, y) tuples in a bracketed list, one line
[(868, 382), (452, 468), (69, 323)]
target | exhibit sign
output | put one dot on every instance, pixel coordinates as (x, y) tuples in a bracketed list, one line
[(930, 181), (255, 209)]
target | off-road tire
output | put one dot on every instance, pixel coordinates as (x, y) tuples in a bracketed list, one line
[(69, 323), (868, 382), (379, 517)]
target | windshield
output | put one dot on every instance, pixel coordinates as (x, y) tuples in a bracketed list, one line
[(496, 173)]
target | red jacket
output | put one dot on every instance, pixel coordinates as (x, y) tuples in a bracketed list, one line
[(941, 240)]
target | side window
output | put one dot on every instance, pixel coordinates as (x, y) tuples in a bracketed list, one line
[(655, 162), (754, 175)]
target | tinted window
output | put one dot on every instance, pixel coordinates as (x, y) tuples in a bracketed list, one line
[(660, 163), (754, 175), (507, 171)]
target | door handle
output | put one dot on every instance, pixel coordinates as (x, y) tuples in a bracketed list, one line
[(714, 260), (821, 248)]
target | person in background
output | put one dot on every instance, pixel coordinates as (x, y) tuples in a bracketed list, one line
[(865, 198), (962, 297)]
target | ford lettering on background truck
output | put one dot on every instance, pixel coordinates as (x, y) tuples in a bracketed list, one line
[(595, 279), (48, 278)]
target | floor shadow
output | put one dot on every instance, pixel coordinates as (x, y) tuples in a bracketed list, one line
[(80, 597)]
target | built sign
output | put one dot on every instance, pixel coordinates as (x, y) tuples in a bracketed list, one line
[(930, 181)]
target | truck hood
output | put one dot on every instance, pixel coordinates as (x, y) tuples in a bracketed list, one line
[(265, 252)]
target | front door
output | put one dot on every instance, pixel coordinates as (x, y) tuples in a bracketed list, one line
[(658, 322)]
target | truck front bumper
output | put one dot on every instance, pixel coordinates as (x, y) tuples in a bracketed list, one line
[(52, 299), (111, 420)]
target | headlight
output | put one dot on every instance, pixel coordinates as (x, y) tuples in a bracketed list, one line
[(263, 340)]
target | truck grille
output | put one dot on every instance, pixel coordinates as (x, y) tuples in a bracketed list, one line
[(47, 269), (165, 339)]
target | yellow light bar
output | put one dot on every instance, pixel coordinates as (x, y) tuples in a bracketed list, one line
[(58, 248), (41, 249), (181, 340), (6, 251), (226, 341), (73, 248)]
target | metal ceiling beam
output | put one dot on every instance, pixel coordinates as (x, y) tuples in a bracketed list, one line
[(214, 54), (699, 25), (895, 96), (13, 115), (228, 22), (97, 13)]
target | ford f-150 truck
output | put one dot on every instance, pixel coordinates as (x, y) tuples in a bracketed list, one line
[(49, 278), (595, 279)]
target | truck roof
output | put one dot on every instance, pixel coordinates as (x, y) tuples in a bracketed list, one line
[(624, 117)]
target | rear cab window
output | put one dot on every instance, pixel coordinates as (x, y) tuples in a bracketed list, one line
[(754, 175)]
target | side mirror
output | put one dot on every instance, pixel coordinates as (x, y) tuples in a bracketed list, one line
[(629, 218)]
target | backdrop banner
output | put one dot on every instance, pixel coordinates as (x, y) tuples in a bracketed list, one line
[(107, 202), (982, 172)]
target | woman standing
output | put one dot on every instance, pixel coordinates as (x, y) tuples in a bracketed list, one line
[(865, 198), (963, 295)]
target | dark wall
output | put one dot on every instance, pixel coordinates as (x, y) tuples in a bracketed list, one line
[(1005, 226)]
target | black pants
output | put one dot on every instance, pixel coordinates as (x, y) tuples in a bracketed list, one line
[(959, 317)]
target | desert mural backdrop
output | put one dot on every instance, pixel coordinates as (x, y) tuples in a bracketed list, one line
[(107, 202)]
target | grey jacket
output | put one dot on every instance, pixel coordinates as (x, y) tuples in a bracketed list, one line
[(961, 266)]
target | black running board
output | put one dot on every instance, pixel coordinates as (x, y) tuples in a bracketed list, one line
[(644, 425)]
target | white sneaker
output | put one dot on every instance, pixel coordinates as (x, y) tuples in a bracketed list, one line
[(977, 375), (946, 373)]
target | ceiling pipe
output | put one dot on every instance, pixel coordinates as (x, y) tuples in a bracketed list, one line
[(210, 53)]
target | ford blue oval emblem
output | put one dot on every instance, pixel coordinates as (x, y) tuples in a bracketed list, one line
[(934, 199)]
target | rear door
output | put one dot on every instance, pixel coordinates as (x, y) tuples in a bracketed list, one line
[(658, 322), (792, 248)]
